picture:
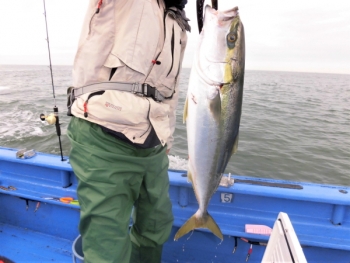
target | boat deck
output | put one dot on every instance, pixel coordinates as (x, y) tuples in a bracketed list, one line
[(25, 245)]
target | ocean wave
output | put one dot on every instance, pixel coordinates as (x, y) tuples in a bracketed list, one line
[(178, 163)]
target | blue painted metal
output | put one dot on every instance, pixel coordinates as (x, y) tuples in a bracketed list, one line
[(338, 214), (65, 176), (183, 196), (320, 215)]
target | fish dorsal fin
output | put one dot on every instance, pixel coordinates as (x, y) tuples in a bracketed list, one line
[(235, 145), (185, 110)]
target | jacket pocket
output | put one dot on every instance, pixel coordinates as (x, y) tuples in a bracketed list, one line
[(137, 34), (114, 69), (95, 43), (111, 66), (118, 107), (164, 75)]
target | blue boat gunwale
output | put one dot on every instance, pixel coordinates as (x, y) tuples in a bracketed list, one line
[(310, 192), (332, 194)]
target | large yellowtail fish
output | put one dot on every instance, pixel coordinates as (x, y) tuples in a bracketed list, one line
[(213, 109)]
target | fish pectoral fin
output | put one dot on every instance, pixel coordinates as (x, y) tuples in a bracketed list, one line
[(215, 107), (235, 145), (185, 111), (205, 222), (189, 176)]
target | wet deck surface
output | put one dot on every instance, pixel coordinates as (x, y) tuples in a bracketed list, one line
[(23, 245)]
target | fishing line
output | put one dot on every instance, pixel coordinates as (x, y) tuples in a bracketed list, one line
[(48, 47), (199, 9), (52, 118)]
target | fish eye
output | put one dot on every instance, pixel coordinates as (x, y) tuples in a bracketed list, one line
[(231, 37)]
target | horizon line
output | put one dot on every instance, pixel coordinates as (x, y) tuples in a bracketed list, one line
[(187, 67)]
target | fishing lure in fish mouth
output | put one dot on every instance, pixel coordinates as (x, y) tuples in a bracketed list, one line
[(200, 4)]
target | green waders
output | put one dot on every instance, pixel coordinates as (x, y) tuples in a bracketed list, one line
[(113, 178)]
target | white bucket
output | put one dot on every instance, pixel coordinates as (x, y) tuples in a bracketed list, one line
[(77, 248)]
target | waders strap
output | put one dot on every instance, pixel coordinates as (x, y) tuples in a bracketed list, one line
[(143, 90)]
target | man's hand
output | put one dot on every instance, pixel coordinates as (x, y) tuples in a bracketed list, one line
[(167, 151)]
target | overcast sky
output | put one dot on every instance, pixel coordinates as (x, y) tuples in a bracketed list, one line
[(298, 35)]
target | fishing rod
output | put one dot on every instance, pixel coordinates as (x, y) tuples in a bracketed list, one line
[(52, 118), (199, 8)]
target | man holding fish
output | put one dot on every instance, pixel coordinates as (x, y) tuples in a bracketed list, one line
[(125, 78)]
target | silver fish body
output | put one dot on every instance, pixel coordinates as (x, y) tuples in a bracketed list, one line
[(213, 109)]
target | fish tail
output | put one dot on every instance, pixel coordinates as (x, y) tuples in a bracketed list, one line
[(187, 227), (194, 222), (213, 227)]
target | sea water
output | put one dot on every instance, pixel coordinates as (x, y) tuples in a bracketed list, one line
[(294, 126)]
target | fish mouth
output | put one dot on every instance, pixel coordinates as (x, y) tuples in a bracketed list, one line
[(217, 62), (222, 62), (210, 80), (213, 73)]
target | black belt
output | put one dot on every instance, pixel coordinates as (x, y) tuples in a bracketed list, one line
[(143, 90)]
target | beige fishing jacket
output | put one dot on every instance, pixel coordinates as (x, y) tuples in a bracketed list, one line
[(129, 36)]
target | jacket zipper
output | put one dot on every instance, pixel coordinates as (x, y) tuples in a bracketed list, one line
[(100, 2), (155, 61), (87, 100), (172, 51), (99, 6)]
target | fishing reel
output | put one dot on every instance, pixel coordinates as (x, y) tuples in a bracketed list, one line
[(52, 118)]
